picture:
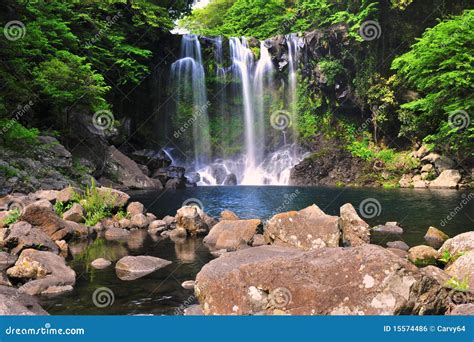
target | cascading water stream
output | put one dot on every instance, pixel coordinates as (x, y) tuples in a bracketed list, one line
[(292, 42), (247, 103), (263, 83), (189, 71), (242, 64)]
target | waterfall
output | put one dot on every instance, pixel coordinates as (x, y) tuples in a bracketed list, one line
[(292, 42), (263, 83), (189, 71), (220, 94), (242, 65), (248, 149)]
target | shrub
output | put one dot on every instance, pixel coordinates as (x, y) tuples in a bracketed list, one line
[(15, 135), (12, 217)]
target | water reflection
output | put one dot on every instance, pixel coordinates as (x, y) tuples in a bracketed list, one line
[(186, 249)]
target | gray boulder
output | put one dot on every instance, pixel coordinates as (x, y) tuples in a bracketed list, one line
[(134, 267), (363, 280)]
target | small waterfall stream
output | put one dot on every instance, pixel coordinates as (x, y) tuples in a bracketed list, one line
[(247, 148), (190, 80)]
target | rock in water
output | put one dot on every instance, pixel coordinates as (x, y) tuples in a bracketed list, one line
[(355, 231), (188, 218), (157, 227), (398, 245), (100, 263), (308, 229), (435, 237), (135, 208), (116, 234), (228, 215), (188, 284), (134, 267), (388, 229), (232, 234), (14, 302), (366, 279), (44, 269), (447, 179), (139, 221)]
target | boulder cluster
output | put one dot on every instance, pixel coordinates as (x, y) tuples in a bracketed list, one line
[(302, 262), (435, 171)]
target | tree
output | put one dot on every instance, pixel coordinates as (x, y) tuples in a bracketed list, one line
[(439, 68)]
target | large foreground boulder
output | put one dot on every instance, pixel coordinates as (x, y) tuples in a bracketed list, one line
[(463, 269), (41, 270), (308, 229), (134, 267), (363, 280), (14, 302), (460, 243), (355, 231), (232, 234)]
